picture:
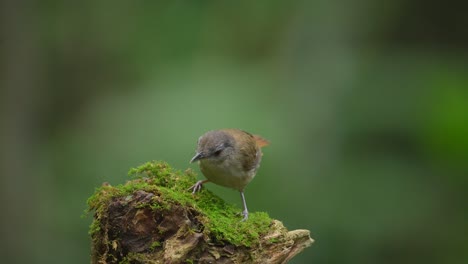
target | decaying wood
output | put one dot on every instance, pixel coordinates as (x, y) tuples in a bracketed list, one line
[(127, 230), (143, 235)]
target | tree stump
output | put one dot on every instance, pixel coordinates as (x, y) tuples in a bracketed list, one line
[(153, 218)]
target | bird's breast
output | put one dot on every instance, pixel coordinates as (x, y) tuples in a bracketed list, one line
[(228, 173)]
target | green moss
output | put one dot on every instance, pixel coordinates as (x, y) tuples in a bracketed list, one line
[(273, 240), (221, 220), (154, 245), (94, 227)]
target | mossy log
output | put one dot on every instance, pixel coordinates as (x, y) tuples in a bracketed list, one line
[(153, 218)]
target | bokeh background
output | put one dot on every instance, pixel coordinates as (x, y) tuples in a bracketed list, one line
[(365, 104)]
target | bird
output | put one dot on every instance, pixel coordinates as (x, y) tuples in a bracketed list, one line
[(230, 158)]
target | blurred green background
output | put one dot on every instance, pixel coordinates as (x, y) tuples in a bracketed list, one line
[(365, 104)]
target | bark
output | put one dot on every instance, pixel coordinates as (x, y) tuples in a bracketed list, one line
[(147, 225)]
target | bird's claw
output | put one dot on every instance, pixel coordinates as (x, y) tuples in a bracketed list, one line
[(244, 214), (196, 187)]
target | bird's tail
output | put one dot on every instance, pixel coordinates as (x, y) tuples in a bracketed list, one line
[(261, 142)]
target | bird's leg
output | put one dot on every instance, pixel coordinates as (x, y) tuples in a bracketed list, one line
[(197, 186), (245, 213)]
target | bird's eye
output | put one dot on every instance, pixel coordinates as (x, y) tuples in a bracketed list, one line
[(217, 152)]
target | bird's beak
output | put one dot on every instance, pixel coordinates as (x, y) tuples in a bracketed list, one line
[(197, 156)]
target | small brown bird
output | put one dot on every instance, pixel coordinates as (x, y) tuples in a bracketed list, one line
[(230, 158)]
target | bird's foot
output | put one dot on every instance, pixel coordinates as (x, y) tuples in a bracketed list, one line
[(196, 187), (245, 213)]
